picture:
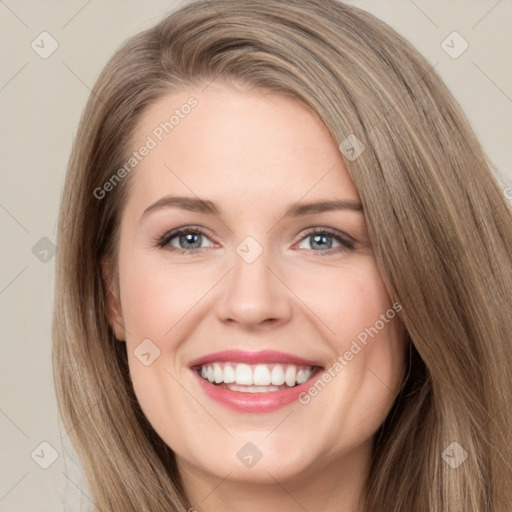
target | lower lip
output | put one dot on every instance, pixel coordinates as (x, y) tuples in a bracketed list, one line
[(253, 402)]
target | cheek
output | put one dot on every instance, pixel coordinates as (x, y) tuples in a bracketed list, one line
[(156, 296), (367, 337), (159, 304), (369, 334), (154, 309), (345, 300)]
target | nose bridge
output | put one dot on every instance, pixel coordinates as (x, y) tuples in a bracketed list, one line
[(252, 292)]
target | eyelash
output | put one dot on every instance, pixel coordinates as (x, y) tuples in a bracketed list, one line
[(345, 243)]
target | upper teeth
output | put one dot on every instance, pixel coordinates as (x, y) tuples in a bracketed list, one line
[(258, 375)]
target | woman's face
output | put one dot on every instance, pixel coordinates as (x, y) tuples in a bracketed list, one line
[(258, 287)]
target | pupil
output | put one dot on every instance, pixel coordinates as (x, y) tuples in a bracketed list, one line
[(189, 238), (322, 239)]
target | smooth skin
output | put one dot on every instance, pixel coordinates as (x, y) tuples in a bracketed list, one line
[(254, 155)]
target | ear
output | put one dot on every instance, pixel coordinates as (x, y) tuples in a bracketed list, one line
[(113, 303)]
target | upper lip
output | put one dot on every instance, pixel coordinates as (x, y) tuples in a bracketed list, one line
[(252, 357)]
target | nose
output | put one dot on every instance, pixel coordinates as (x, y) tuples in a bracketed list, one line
[(255, 295)]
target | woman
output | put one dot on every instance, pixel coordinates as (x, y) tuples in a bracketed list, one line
[(250, 372)]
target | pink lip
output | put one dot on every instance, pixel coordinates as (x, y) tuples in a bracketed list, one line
[(262, 356), (252, 402)]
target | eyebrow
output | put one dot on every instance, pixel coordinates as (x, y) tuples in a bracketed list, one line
[(207, 207)]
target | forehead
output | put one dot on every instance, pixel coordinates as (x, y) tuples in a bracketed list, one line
[(225, 142)]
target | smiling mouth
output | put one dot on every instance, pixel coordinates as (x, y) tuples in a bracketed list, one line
[(256, 378)]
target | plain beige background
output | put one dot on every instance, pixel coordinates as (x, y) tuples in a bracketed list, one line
[(41, 100)]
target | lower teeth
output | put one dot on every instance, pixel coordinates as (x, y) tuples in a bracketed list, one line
[(252, 389)]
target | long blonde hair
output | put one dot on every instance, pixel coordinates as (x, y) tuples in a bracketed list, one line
[(440, 226)]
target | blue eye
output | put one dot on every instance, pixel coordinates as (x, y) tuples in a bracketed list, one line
[(190, 240), (320, 237)]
